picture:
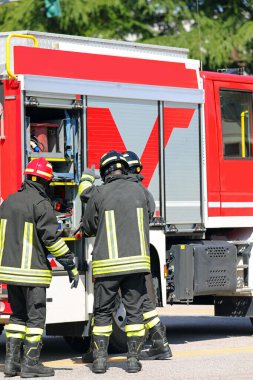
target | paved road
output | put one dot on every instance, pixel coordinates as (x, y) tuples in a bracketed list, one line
[(204, 347)]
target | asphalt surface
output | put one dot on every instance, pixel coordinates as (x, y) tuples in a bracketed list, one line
[(204, 347)]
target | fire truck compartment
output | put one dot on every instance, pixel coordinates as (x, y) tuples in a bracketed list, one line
[(209, 267)]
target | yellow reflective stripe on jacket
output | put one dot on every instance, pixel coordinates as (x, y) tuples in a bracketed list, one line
[(126, 269), (111, 234), (84, 186), (24, 279), (88, 177), (141, 231), (34, 331), (121, 261), (150, 314), (26, 272), (59, 248), (145, 267), (27, 246), (55, 246), (15, 327), (3, 223)]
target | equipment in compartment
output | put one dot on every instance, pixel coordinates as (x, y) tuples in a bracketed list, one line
[(62, 199), (46, 136), (63, 170), (55, 134)]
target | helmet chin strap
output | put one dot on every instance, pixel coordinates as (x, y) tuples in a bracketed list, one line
[(39, 180), (114, 172)]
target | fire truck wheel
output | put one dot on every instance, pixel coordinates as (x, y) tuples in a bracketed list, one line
[(118, 342), (77, 343), (151, 288), (157, 292)]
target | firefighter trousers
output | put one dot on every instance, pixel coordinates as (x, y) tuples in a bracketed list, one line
[(28, 317), (133, 292)]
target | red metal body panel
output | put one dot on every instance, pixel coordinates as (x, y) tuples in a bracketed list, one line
[(103, 135), (10, 148), (228, 180), (212, 162), (102, 67)]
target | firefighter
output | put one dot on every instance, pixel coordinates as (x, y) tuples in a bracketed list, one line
[(117, 213), (157, 331), (160, 349), (28, 232)]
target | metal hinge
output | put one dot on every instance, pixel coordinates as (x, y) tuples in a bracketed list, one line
[(32, 102), (78, 104), (2, 135)]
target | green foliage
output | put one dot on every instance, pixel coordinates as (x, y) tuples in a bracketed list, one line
[(220, 33)]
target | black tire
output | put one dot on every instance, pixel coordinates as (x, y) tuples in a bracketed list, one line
[(78, 343), (118, 341), (151, 289), (157, 290)]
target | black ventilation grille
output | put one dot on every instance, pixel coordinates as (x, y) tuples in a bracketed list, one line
[(214, 268)]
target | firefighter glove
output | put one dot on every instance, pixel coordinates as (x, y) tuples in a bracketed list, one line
[(73, 277), (89, 175), (67, 261)]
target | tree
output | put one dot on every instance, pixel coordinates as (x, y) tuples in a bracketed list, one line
[(96, 18), (220, 33)]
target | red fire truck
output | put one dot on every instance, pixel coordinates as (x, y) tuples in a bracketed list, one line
[(70, 99)]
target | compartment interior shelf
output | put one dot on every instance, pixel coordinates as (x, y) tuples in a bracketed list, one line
[(63, 184), (52, 159)]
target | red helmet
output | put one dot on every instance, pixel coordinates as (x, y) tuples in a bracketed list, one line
[(40, 167)]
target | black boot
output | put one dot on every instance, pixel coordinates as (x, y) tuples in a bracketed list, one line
[(134, 344), (160, 349), (30, 366), (88, 356), (12, 359), (100, 347)]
